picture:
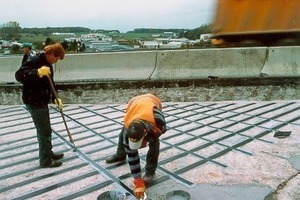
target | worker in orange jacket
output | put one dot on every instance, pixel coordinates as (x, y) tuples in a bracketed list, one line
[(144, 123)]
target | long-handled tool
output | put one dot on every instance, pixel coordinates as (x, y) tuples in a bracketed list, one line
[(61, 112)]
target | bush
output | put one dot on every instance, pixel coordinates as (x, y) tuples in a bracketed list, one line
[(15, 49)]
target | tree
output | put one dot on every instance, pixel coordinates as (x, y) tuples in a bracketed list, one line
[(65, 44), (73, 46), (195, 33), (49, 41), (10, 30), (15, 48)]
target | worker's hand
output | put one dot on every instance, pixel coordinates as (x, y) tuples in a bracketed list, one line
[(156, 131), (59, 103), (139, 188), (44, 71)]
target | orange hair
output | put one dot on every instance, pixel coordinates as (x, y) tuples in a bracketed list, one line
[(56, 49)]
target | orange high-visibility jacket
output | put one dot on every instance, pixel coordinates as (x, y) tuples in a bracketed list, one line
[(141, 107)]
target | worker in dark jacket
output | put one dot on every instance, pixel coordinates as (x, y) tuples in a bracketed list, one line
[(144, 123), (28, 52), (36, 96)]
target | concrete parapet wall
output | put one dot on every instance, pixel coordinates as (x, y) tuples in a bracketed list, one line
[(106, 66), (282, 62), (203, 63), (169, 65), (8, 67)]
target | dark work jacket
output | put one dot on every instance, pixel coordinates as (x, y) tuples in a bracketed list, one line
[(36, 90), (28, 56)]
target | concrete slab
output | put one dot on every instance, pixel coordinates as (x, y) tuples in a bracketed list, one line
[(213, 150)]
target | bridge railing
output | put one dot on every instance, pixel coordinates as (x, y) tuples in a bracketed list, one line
[(169, 64)]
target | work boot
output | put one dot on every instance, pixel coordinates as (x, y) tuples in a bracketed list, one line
[(57, 156), (148, 177), (115, 158), (52, 164)]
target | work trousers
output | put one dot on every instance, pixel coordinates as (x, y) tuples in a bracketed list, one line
[(41, 120), (152, 154)]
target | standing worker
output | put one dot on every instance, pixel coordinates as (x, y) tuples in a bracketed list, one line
[(28, 53), (36, 96), (144, 123)]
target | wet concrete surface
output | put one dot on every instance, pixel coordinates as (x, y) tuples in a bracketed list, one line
[(211, 89), (213, 150)]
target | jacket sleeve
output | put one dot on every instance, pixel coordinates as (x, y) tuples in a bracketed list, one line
[(160, 121), (27, 73), (133, 157)]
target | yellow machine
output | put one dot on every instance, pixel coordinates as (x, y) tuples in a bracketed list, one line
[(240, 23)]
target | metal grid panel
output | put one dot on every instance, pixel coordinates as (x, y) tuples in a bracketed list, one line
[(198, 134)]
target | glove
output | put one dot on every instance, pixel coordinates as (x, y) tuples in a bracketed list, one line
[(139, 188), (156, 131), (44, 71), (59, 103)]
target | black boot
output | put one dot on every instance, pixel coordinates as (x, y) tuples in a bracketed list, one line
[(115, 158), (57, 156), (148, 177), (53, 163)]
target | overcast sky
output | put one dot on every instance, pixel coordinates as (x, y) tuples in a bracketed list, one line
[(123, 15)]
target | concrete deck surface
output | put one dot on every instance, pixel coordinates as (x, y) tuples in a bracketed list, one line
[(213, 150)]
